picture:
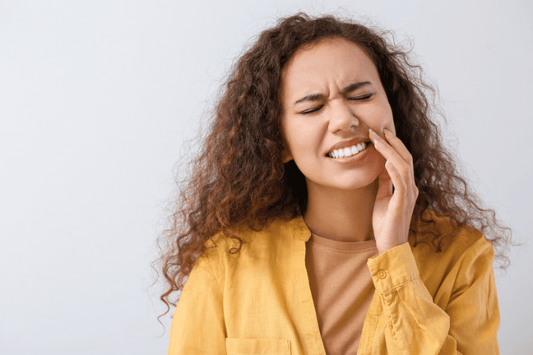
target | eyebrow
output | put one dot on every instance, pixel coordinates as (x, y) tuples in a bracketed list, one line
[(349, 88)]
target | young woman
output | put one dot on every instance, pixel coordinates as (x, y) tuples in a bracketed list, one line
[(324, 215)]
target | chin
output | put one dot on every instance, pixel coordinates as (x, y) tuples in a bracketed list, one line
[(356, 180), (346, 178), (349, 182), (357, 184)]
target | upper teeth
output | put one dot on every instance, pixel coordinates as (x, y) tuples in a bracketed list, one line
[(348, 151)]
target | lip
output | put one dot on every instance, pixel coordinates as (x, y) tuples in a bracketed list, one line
[(348, 144)]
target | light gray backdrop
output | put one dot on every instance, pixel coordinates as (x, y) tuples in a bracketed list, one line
[(96, 98)]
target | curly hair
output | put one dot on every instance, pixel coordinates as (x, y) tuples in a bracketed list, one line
[(239, 178)]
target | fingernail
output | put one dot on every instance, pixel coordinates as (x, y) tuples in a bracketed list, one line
[(375, 137), (388, 133)]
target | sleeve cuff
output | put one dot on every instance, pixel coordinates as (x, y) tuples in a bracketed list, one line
[(394, 268)]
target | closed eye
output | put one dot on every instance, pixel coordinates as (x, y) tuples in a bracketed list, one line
[(361, 98), (306, 112), (358, 98)]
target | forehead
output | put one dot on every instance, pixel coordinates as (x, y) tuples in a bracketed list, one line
[(328, 62)]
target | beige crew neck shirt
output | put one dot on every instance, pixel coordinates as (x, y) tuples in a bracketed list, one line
[(342, 288)]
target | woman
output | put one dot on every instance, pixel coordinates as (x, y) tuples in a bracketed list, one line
[(324, 215)]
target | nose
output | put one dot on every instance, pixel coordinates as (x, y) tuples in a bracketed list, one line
[(342, 118)]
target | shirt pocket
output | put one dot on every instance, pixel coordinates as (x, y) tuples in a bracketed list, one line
[(236, 346)]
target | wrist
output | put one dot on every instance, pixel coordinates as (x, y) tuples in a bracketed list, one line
[(382, 248)]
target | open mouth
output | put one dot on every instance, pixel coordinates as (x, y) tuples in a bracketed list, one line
[(348, 151)]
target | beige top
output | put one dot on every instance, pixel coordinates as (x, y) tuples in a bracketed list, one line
[(342, 288)]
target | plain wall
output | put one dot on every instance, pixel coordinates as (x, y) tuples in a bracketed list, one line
[(97, 98)]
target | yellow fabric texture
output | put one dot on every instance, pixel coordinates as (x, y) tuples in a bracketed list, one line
[(258, 301)]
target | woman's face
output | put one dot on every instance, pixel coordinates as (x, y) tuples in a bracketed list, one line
[(331, 95)]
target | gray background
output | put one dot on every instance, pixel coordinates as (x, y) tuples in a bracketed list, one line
[(97, 97)]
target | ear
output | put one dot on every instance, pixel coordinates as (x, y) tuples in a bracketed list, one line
[(286, 156)]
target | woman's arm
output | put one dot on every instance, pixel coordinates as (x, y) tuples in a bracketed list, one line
[(393, 208), (416, 325)]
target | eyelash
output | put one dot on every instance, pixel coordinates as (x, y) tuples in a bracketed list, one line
[(362, 98), (359, 98)]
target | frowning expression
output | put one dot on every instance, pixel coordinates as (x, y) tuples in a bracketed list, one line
[(331, 95)]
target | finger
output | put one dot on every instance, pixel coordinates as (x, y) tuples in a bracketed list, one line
[(384, 184), (399, 183), (398, 145), (402, 150), (404, 189), (404, 180), (390, 154)]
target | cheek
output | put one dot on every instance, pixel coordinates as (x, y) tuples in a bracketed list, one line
[(383, 120), (285, 135), (300, 137), (388, 123)]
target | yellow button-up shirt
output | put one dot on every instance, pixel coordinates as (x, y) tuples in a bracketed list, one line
[(258, 301)]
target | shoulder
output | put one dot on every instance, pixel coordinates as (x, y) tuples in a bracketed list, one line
[(275, 240), (276, 231), (452, 240), (463, 250)]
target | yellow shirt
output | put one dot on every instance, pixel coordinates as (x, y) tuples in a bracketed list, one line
[(258, 301)]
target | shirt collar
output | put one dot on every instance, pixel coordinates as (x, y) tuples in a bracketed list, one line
[(300, 229)]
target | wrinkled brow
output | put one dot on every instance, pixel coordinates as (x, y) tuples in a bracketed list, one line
[(347, 89)]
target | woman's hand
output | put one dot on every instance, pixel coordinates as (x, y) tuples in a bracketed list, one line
[(393, 211)]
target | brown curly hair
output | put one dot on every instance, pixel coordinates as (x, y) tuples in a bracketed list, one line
[(239, 178)]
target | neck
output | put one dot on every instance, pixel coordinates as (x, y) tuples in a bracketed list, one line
[(341, 215)]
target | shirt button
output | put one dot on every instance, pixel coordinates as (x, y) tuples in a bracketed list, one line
[(382, 274)]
